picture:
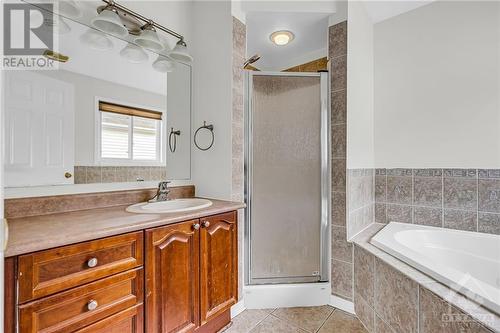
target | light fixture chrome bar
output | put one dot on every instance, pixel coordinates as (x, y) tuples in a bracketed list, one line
[(144, 19)]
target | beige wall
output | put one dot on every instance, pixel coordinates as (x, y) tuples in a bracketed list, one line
[(437, 87)]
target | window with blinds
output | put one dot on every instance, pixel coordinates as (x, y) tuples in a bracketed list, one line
[(129, 134)]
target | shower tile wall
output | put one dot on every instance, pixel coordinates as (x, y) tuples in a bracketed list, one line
[(342, 267), (237, 177), (465, 199)]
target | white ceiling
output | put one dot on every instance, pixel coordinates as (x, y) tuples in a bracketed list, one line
[(382, 10), (311, 33)]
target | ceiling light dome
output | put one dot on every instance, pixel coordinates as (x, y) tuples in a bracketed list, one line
[(163, 64), (133, 53), (96, 40), (282, 37), (108, 21), (148, 38), (180, 52)]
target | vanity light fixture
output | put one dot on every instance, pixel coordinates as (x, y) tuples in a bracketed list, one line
[(134, 54), (148, 38), (108, 21), (180, 52), (119, 20), (96, 40), (281, 37), (163, 64)]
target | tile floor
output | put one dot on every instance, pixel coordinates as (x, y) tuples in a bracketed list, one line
[(321, 319)]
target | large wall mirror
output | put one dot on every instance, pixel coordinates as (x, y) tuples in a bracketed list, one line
[(114, 112)]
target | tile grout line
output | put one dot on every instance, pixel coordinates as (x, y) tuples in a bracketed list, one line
[(287, 322), (323, 324)]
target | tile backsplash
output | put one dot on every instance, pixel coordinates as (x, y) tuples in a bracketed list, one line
[(465, 199), (118, 174)]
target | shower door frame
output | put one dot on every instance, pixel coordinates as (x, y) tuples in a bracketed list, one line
[(325, 136)]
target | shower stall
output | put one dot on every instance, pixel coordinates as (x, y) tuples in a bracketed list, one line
[(287, 178)]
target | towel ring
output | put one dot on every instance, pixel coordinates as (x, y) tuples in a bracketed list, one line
[(172, 139), (211, 129)]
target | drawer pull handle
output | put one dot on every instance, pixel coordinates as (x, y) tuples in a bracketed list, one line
[(92, 262), (205, 224), (196, 226), (92, 305)]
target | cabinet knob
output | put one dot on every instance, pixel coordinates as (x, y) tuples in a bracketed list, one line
[(92, 305), (205, 224), (196, 226), (92, 262), (68, 175)]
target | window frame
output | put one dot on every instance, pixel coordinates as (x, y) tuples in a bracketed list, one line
[(161, 146)]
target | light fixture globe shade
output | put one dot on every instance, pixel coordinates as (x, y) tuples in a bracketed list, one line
[(148, 39), (96, 40), (109, 22), (164, 65), (180, 53), (69, 8), (134, 54)]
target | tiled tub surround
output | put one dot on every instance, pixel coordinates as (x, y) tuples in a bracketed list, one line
[(391, 296), (361, 200), (118, 174), (465, 199), (341, 274)]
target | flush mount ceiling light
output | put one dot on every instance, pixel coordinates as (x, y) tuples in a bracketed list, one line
[(180, 52), (134, 54), (149, 38), (281, 37), (109, 22), (96, 40), (164, 64)]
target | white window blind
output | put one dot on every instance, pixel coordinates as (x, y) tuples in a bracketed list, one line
[(129, 136), (115, 137), (145, 139)]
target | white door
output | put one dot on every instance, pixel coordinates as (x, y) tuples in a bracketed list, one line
[(39, 130)]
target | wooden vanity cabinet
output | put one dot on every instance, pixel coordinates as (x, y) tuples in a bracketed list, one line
[(182, 277), (218, 265), (191, 275)]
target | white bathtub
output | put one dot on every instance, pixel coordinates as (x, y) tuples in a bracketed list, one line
[(468, 262)]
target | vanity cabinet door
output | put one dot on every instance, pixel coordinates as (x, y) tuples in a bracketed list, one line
[(218, 264), (172, 278)]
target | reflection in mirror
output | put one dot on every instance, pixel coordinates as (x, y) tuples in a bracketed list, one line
[(102, 117)]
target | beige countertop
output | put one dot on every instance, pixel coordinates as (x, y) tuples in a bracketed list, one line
[(35, 233)]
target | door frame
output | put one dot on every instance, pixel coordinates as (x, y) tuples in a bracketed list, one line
[(325, 177)]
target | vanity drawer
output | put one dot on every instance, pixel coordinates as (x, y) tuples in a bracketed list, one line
[(48, 272), (80, 307), (127, 321)]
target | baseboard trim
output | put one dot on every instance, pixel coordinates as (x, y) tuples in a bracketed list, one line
[(342, 304), (286, 295), (237, 308)]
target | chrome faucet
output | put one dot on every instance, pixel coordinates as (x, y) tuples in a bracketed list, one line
[(161, 193)]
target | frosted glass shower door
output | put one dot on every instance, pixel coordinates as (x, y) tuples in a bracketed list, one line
[(285, 179)]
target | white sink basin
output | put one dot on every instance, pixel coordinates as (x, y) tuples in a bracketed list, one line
[(169, 206)]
